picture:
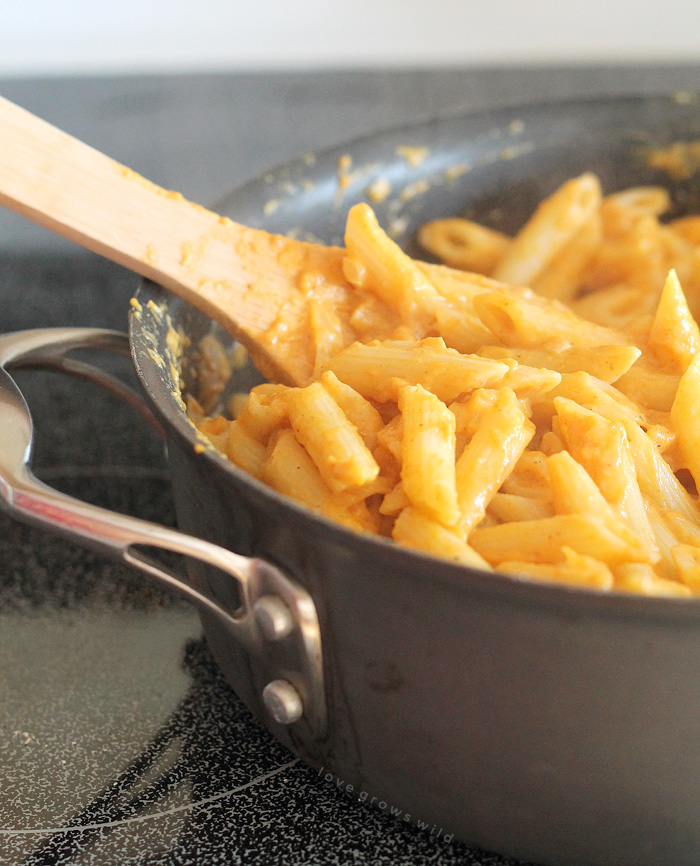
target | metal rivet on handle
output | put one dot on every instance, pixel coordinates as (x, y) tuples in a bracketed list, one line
[(273, 617), (283, 702)]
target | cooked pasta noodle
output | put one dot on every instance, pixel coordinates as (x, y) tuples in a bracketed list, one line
[(551, 432)]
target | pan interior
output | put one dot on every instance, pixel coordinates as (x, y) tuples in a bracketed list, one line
[(492, 167)]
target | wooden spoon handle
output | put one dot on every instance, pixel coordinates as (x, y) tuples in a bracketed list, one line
[(241, 277), (78, 192)]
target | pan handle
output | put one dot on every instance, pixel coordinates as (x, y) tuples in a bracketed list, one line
[(276, 619)]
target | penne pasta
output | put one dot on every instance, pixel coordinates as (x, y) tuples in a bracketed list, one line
[(331, 440), (413, 528), (508, 506), (358, 410), (428, 454), (523, 323), (540, 418), (602, 449), (265, 411), (379, 370), (377, 264), (543, 540), (605, 363), (245, 450), (289, 470), (563, 275), (621, 210), (674, 336), (530, 477), (685, 418), (576, 570), (573, 489), (553, 225), (656, 479), (641, 579), (464, 244), (649, 387), (489, 458), (687, 562)]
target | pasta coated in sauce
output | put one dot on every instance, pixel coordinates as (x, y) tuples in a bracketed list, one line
[(541, 417)]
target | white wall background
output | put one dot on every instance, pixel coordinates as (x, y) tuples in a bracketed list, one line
[(39, 37)]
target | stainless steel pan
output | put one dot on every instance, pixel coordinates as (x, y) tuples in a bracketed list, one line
[(556, 725)]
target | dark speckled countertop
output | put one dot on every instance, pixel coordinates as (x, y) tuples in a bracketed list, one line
[(119, 741)]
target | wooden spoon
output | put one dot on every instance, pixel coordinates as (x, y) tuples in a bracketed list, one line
[(259, 286), (248, 280)]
